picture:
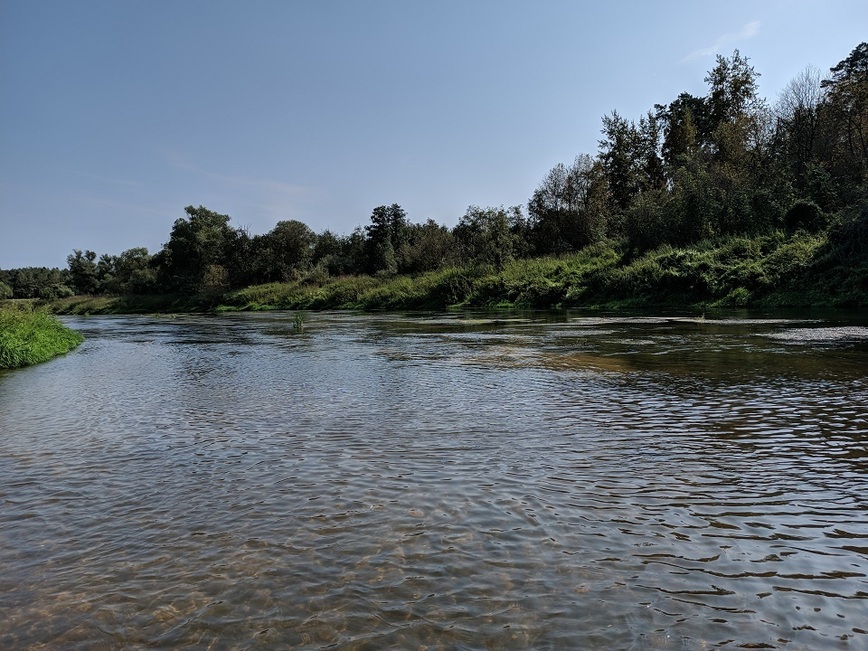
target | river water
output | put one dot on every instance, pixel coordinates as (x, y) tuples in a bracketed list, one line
[(455, 481)]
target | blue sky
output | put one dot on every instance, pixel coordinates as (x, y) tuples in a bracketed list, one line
[(116, 114)]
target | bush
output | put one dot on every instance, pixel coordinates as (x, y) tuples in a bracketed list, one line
[(805, 215)]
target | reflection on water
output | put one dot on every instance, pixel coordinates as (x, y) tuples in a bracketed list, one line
[(438, 482)]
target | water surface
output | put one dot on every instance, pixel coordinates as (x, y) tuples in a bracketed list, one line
[(439, 482)]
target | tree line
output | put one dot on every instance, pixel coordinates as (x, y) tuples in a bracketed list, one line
[(697, 168)]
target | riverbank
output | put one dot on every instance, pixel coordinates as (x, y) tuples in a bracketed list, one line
[(774, 270), (28, 337)]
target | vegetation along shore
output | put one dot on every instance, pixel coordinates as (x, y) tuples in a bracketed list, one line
[(30, 337), (725, 199)]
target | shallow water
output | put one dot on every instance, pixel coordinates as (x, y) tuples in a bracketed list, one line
[(439, 482)]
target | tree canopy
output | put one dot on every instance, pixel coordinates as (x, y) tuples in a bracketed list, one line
[(696, 167)]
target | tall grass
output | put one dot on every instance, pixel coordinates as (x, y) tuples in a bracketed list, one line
[(28, 337)]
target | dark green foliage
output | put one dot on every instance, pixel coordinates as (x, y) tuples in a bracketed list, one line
[(83, 272), (388, 238), (805, 215), (36, 282), (340, 256), (849, 237), (195, 257), (285, 252), (131, 272), (649, 221), (686, 127), (630, 158), (732, 90), (487, 235), (568, 210), (430, 246)]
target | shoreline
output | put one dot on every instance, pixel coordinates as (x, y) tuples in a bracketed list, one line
[(769, 271)]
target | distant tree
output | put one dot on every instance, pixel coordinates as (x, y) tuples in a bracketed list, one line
[(5, 291), (733, 89), (196, 246), (326, 251), (685, 125), (567, 210), (735, 115), (55, 291), (38, 282), (287, 249), (618, 156), (486, 236), (354, 252), (83, 271), (693, 213), (845, 117), (239, 261), (335, 255), (387, 239), (106, 269), (430, 246), (630, 158), (133, 273), (214, 283), (649, 221), (798, 125)]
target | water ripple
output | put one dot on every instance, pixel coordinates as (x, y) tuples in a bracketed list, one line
[(395, 482)]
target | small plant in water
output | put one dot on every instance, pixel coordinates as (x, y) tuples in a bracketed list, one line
[(298, 322)]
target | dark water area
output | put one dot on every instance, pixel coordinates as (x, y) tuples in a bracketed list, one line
[(456, 481)]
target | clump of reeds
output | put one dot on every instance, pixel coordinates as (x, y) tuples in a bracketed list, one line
[(298, 322)]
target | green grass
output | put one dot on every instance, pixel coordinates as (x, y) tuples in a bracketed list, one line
[(28, 337)]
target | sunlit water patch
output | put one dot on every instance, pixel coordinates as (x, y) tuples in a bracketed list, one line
[(389, 481)]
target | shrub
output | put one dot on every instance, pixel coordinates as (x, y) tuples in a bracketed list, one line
[(805, 215)]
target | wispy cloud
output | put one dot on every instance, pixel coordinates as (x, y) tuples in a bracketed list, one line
[(747, 32), (263, 184), (119, 206), (273, 199), (106, 180)]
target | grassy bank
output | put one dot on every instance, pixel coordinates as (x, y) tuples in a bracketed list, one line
[(802, 270), (28, 337), (772, 270)]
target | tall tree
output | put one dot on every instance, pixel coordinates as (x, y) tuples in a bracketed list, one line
[(846, 112), (199, 246), (619, 159), (567, 210), (630, 156), (83, 271), (387, 239), (486, 235), (798, 124), (430, 247), (289, 249), (733, 90), (133, 273), (685, 124)]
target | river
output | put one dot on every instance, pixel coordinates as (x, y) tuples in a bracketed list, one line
[(445, 481)]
